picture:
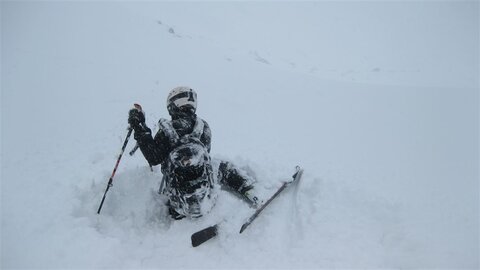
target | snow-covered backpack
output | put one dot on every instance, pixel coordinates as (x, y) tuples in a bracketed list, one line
[(188, 172)]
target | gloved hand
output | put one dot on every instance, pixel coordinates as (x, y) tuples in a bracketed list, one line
[(136, 117)]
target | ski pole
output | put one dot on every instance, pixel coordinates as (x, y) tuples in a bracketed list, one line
[(134, 149), (115, 169)]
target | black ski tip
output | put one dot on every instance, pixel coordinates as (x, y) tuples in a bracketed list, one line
[(244, 226), (298, 170), (204, 235)]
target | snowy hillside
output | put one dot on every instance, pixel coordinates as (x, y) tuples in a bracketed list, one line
[(379, 102)]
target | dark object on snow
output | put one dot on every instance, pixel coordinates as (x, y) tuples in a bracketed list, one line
[(204, 235), (110, 181)]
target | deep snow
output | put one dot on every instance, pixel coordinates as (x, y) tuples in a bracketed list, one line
[(379, 102)]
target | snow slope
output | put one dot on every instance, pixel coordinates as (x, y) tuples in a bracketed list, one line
[(379, 102)]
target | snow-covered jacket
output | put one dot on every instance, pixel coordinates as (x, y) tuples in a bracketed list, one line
[(171, 134)]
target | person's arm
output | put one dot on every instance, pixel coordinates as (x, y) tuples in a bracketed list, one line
[(153, 149), (206, 137)]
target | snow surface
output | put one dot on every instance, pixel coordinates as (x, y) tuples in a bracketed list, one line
[(378, 101)]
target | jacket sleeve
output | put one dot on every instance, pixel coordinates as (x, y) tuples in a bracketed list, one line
[(206, 137), (155, 150)]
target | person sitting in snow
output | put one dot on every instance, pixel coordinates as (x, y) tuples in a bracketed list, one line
[(182, 148)]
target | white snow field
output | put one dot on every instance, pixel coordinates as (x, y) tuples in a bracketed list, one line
[(378, 101)]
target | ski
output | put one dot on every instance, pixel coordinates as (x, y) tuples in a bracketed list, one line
[(204, 235), (208, 233), (295, 177)]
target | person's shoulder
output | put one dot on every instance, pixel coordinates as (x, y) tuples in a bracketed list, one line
[(164, 126), (205, 123)]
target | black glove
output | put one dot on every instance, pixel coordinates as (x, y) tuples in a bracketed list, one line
[(136, 117)]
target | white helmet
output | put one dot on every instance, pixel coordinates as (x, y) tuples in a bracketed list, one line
[(182, 96)]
